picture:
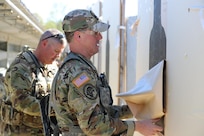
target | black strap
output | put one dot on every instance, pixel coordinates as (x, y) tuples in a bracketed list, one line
[(44, 102), (74, 56), (35, 60), (37, 64), (33, 93)]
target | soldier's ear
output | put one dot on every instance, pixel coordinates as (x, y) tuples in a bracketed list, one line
[(77, 35), (44, 42)]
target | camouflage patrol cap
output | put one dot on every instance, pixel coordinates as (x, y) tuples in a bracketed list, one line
[(52, 33), (82, 19)]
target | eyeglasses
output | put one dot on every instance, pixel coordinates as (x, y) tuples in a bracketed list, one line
[(90, 32), (57, 36)]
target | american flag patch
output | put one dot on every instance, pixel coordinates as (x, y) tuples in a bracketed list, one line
[(80, 80)]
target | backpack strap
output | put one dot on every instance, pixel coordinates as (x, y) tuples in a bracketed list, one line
[(36, 67)]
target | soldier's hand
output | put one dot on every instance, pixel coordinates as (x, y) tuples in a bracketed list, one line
[(148, 127)]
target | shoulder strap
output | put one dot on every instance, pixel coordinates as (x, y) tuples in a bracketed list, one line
[(35, 60), (73, 56), (30, 57), (70, 56)]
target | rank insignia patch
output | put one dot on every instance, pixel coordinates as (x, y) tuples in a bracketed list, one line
[(90, 92), (80, 80)]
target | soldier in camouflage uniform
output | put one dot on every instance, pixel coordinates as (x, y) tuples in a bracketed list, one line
[(2, 90), (81, 98), (27, 81)]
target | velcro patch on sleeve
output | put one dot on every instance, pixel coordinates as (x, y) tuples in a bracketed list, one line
[(80, 80)]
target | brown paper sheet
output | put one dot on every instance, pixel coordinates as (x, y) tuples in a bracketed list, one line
[(145, 99)]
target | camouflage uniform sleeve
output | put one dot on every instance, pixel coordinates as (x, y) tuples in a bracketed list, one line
[(19, 85), (122, 112), (2, 88), (84, 100)]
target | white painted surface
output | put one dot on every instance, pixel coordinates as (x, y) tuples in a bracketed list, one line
[(184, 63)]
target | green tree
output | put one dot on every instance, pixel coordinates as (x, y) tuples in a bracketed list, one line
[(53, 24), (55, 17)]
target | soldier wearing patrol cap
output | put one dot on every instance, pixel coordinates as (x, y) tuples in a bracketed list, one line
[(27, 81), (80, 96)]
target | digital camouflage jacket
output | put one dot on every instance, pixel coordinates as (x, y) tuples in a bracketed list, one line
[(76, 98)]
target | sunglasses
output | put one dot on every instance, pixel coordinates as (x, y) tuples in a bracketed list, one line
[(57, 36)]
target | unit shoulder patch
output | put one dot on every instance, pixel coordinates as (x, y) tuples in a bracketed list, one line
[(90, 92)]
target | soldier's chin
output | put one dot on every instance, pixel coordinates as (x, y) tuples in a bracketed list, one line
[(51, 61)]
